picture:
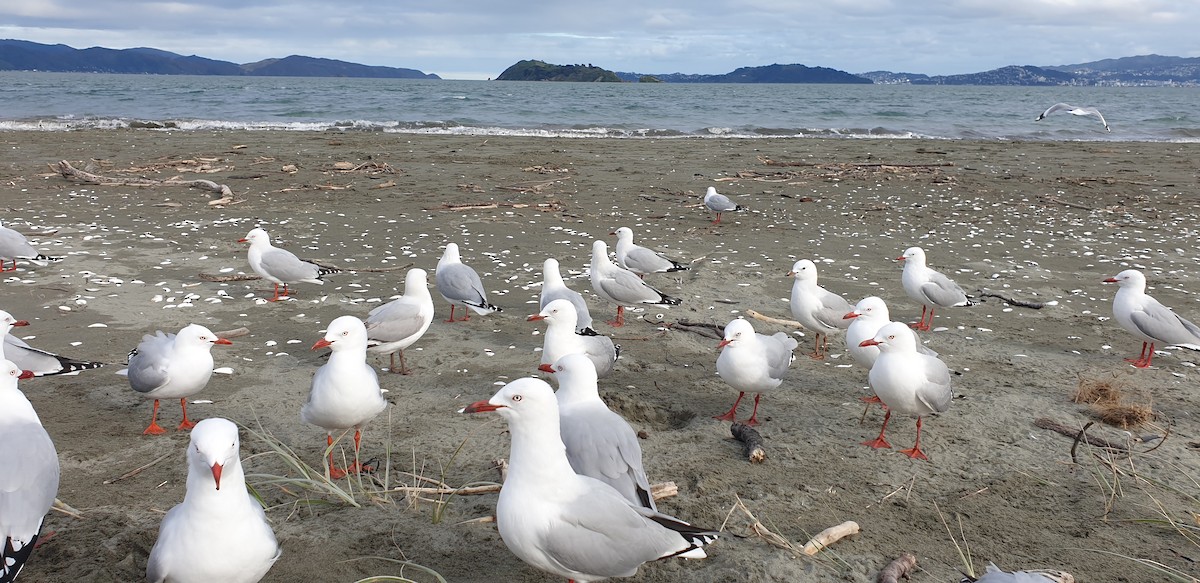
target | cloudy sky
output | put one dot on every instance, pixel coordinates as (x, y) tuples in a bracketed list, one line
[(477, 39)]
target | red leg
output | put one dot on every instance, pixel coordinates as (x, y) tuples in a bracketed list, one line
[(718, 221), (403, 367), (186, 423), (1143, 360), (154, 428), (732, 413), (753, 420), (451, 313), (817, 353), (915, 452), (334, 472), (276, 298), (620, 321), (879, 442), (920, 325)]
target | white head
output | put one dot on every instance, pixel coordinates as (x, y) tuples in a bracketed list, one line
[(561, 312), (894, 337), (913, 255), (576, 377), (7, 321), (870, 308), (712, 191), (624, 235), (804, 270), (213, 450), (523, 403), (450, 255), (344, 333), (1129, 279), (550, 273), (195, 335), (256, 237), (599, 252), (416, 280), (736, 331)]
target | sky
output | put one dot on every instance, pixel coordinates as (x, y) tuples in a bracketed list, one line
[(478, 39)]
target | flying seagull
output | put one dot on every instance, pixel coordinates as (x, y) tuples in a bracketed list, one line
[(1071, 109)]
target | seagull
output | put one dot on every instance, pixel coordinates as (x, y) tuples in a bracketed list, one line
[(817, 308), (621, 286), (1071, 109), (399, 323), (561, 522), (280, 266), (867, 317), (906, 381), (14, 246), (561, 339), (172, 366), (641, 260), (219, 532), (554, 288), (931, 288), (40, 362), (459, 284), (600, 443), (1147, 319), (719, 203), (345, 391), (752, 363), (29, 480), (995, 575)]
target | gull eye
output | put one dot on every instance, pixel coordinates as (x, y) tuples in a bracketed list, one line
[(346, 333), (892, 337), (516, 398)]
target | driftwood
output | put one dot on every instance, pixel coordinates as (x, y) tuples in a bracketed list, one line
[(702, 328), (898, 569), (829, 536), (769, 162), (235, 333), (987, 293), (545, 207), (789, 323), (752, 442), (1077, 434), (67, 171)]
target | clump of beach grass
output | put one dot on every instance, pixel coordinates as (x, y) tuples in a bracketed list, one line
[(1114, 401)]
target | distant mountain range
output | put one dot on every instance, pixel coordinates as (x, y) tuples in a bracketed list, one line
[(1145, 70), (19, 55)]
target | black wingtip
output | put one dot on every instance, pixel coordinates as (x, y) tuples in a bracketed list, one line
[(670, 301), (677, 266), (47, 258)]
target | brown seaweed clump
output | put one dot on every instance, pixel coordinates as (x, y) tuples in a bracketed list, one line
[(1114, 401)]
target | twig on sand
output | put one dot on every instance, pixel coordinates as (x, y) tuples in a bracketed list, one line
[(224, 278), (781, 322), (812, 547), (829, 536), (138, 470), (987, 293), (235, 333), (752, 442), (702, 328), (769, 162), (1078, 434), (898, 569), (65, 508), (546, 207), (67, 171)]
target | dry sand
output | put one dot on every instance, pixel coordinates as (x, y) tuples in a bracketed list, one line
[(1034, 221)]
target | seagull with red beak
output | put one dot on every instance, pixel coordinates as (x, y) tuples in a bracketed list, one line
[(907, 381), (219, 532), (172, 366), (752, 363)]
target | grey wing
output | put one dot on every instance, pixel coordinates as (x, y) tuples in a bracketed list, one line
[(29, 481), (605, 447), (458, 282), (394, 321), (14, 245), (1054, 108), (646, 261), (779, 349), (149, 368), (602, 352), (286, 267), (625, 287), (833, 308), (41, 362), (941, 291), (1095, 112), (936, 394), (720, 202), (1159, 322)]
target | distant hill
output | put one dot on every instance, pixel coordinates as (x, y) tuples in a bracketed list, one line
[(19, 55), (543, 71), (1128, 71), (765, 74), (1011, 75)]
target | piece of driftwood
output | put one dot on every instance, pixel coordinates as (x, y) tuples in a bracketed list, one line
[(769, 162), (987, 293), (702, 328), (235, 333), (225, 278), (545, 207), (829, 536), (752, 442), (781, 322), (138, 470), (1077, 434), (67, 171), (898, 569)]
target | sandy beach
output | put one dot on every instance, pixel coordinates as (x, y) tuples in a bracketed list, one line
[(1036, 222)]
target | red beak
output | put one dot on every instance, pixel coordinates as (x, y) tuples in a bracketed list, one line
[(850, 315), (546, 368), (1109, 280), (480, 407), (900, 258), (21, 323), (791, 274), (535, 317), (222, 341), (322, 343), (216, 469), (26, 374), (868, 342), (723, 343), (243, 241)]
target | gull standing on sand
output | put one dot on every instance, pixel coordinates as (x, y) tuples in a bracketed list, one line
[(561, 522), (867, 317), (641, 260), (280, 266), (600, 443), (345, 391), (719, 203), (40, 362), (29, 480), (929, 287), (1071, 109), (554, 288), (219, 532), (1147, 319), (14, 246), (621, 286), (399, 323), (752, 363), (560, 339), (817, 308), (907, 381), (459, 284), (172, 366)]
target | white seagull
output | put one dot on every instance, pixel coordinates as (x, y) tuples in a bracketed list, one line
[(622, 287), (1071, 109), (1147, 319), (929, 287), (459, 284), (600, 443), (29, 480), (719, 203), (554, 288), (399, 323), (40, 362), (907, 381), (867, 317), (641, 260), (752, 363), (345, 391), (14, 246), (219, 532), (280, 266), (560, 339), (172, 366), (995, 575), (561, 522), (817, 308)]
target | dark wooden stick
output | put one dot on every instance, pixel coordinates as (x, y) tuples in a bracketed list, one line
[(752, 442), (898, 569), (987, 293), (1074, 432)]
